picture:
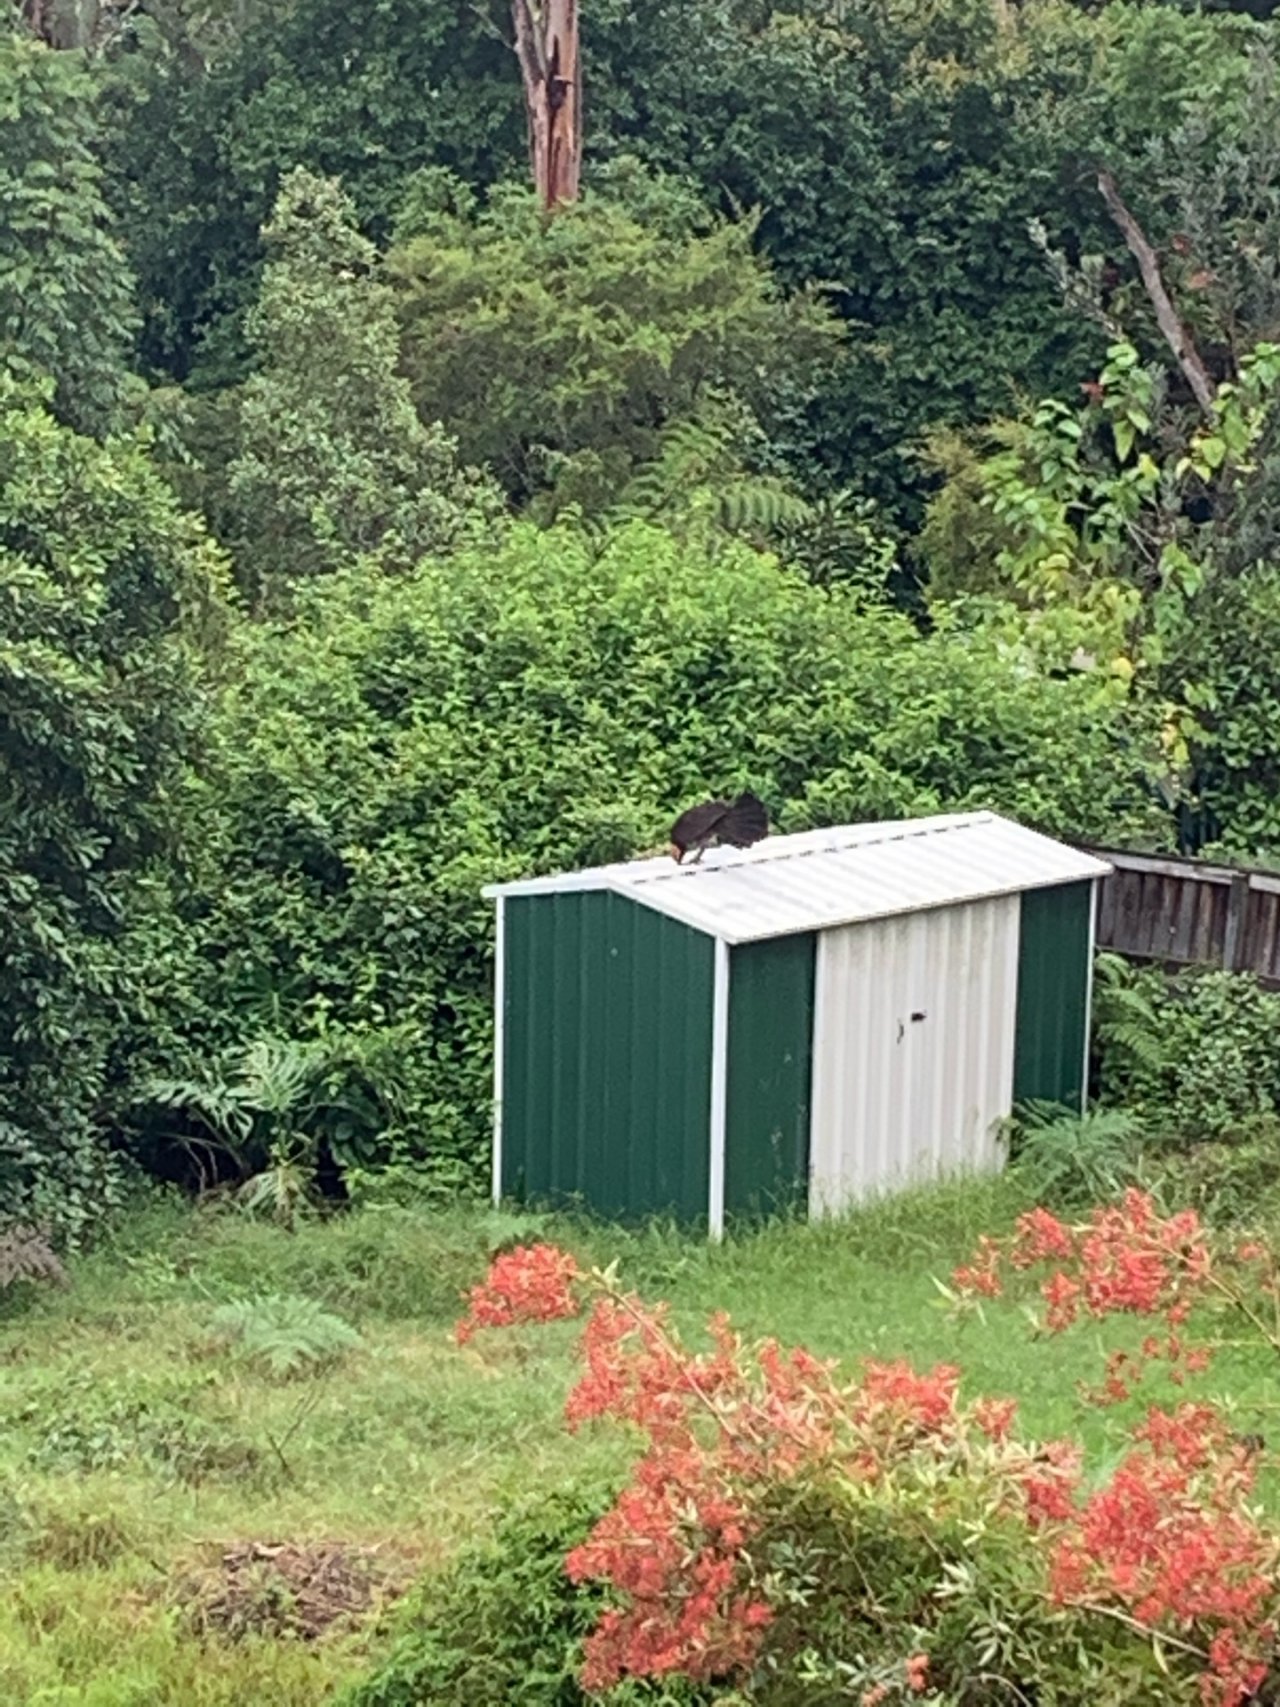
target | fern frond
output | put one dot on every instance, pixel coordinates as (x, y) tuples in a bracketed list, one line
[(283, 1334), (760, 506)]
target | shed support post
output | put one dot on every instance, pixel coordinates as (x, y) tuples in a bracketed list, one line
[(719, 1089), (1095, 898), (499, 986)]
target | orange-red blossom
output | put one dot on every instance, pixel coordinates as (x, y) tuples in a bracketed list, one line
[(1169, 1544)]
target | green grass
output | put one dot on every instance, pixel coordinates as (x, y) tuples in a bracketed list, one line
[(137, 1449)]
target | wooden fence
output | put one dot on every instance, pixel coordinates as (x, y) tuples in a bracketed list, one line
[(1182, 912)]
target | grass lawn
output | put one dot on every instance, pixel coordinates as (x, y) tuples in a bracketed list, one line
[(148, 1473)]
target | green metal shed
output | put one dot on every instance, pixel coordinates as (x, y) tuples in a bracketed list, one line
[(817, 1019)]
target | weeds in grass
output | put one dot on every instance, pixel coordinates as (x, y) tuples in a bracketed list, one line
[(282, 1335)]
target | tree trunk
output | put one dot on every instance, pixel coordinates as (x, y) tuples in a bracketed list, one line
[(547, 47)]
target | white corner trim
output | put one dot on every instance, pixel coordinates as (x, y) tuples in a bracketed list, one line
[(719, 1088), (499, 1003)]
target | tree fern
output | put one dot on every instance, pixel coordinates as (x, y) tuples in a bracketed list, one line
[(1130, 1029), (700, 479)]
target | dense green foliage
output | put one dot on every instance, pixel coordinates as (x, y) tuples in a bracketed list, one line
[(1230, 657), (332, 463), (66, 294), (556, 353), (824, 267), (880, 1577), (895, 157), (366, 96), (396, 744), (833, 446), (1195, 1055), (103, 584), (504, 1623)]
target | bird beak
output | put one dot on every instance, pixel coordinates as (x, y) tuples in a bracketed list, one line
[(676, 853)]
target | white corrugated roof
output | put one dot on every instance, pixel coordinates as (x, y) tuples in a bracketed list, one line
[(822, 878)]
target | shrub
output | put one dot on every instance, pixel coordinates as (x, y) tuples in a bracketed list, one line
[(402, 742), (805, 1536), (503, 1622), (865, 1584), (1197, 1053), (104, 584)]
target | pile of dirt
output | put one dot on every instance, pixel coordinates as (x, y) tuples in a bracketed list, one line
[(289, 1589)]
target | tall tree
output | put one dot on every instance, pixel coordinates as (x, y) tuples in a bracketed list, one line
[(547, 46), (333, 461)]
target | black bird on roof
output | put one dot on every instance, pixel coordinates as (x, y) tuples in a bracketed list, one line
[(731, 823)]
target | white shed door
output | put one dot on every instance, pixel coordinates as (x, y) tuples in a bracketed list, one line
[(912, 1049)]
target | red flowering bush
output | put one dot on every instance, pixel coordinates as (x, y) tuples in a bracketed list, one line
[(807, 1535), (1170, 1542), (721, 1429), (1128, 1258), (533, 1283)]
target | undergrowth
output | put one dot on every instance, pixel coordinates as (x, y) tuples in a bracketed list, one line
[(134, 1450)]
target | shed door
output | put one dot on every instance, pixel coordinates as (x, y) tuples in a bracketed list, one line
[(913, 1048)]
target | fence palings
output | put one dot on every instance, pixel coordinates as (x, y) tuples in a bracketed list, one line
[(1183, 912)]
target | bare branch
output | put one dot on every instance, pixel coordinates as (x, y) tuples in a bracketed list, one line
[(1177, 334)]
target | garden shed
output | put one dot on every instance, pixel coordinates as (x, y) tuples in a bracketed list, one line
[(822, 1017)]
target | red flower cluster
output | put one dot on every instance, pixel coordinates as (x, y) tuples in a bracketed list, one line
[(982, 1275), (994, 1416), (672, 1545), (672, 1548), (1126, 1258), (1170, 1542), (533, 1283), (721, 1428), (1050, 1482), (1168, 1545), (917, 1673), (895, 1397)]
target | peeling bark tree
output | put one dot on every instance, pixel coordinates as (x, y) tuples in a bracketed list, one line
[(547, 46), (1176, 332)]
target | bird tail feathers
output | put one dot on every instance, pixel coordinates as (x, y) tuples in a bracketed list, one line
[(745, 822)]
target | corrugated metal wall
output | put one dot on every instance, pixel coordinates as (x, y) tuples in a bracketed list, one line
[(913, 1048), (770, 1058), (1054, 974), (606, 1082)]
